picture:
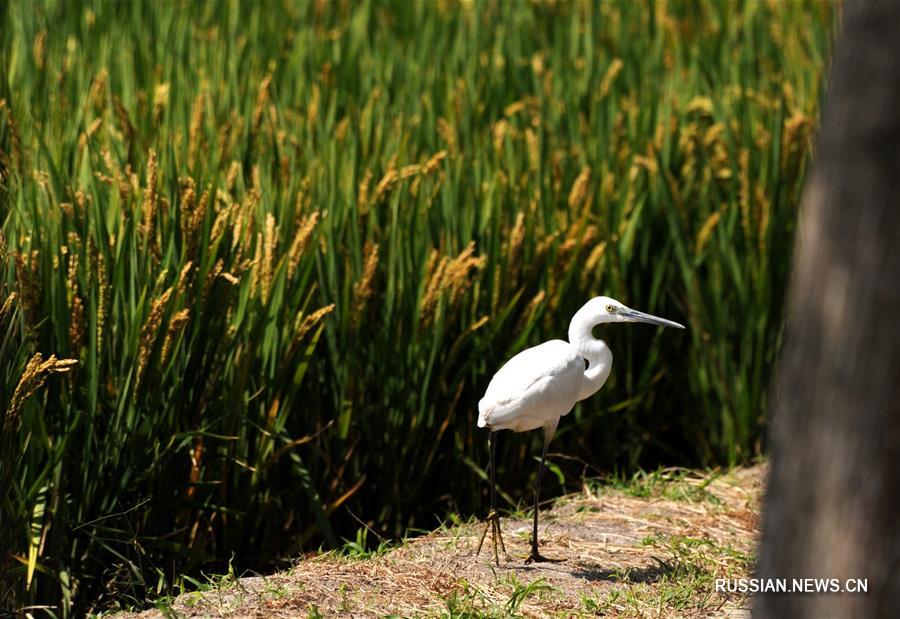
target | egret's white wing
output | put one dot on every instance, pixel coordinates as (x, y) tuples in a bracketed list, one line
[(536, 386)]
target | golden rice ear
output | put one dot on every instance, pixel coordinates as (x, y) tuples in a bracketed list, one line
[(362, 289), (36, 373)]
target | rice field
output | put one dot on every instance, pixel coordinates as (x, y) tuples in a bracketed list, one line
[(258, 261)]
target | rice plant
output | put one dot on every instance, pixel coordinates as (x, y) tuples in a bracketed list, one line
[(257, 260)]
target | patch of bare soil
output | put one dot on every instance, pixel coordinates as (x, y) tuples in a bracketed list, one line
[(652, 547)]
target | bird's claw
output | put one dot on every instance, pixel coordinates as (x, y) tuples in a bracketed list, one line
[(493, 522), (536, 557)]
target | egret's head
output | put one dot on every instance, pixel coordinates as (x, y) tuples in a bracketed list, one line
[(607, 309)]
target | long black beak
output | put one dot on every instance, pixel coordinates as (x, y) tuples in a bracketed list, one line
[(637, 316)]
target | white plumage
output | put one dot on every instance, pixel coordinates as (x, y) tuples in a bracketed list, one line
[(536, 386)]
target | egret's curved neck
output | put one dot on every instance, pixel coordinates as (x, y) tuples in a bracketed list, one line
[(596, 351)]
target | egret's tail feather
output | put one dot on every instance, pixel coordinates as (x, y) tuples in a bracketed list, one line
[(483, 411)]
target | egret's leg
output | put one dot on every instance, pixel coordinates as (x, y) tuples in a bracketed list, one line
[(493, 519), (489, 521), (535, 553)]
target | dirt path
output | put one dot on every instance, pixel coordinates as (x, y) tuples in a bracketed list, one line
[(651, 547)]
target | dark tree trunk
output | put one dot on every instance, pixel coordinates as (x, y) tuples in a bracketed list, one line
[(833, 504)]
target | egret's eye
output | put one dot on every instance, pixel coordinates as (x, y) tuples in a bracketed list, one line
[(611, 309)]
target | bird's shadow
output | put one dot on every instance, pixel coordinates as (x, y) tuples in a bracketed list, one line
[(646, 574)]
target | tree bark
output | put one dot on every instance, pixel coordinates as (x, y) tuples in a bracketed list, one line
[(833, 504)]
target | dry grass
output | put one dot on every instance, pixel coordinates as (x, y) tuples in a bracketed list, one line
[(648, 547)]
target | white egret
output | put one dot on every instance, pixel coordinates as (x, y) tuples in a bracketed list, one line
[(541, 384)]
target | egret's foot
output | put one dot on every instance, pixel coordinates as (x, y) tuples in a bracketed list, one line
[(492, 522), (536, 557)]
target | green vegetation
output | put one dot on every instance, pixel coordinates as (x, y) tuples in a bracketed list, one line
[(360, 548), (258, 261), (671, 483), (472, 603)]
